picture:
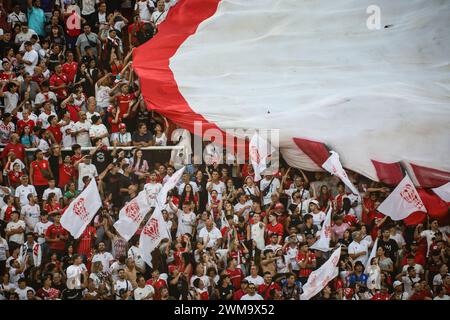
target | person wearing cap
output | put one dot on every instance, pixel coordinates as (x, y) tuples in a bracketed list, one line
[(317, 214), (121, 138), (399, 293)]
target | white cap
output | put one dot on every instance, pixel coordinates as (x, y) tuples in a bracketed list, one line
[(397, 283)]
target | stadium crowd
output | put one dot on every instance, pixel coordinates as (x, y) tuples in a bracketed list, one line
[(70, 84)]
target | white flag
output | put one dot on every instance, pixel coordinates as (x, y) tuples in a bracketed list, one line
[(319, 278), (443, 192), (323, 244), (373, 254), (260, 153), (81, 210), (334, 166), (403, 201), (169, 185), (154, 231), (132, 214)]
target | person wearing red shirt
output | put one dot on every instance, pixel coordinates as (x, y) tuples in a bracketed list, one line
[(383, 294), (66, 172), (25, 121), (40, 172), (157, 283), (267, 286), (306, 260), (133, 30), (235, 274), (414, 252), (114, 119), (124, 100), (8, 208), (71, 108), (59, 83), (87, 241), (56, 237), (274, 227), (15, 147), (55, 129), (238, 294), (70, 67)]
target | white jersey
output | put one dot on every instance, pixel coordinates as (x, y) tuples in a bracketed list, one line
[(41, 228), (186, 222), (257, 234), (31, 216)]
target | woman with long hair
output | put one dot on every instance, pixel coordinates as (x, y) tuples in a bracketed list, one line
[(161, 132), (251, 188), (27, 138), (139, 165), (201, 180), (230, 190), (52, 205), (84, 79), (324, 197), (385, 263), (188, 196)]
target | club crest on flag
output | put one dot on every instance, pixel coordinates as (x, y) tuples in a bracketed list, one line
[(79, 209), (132, 211), (152, 229), (409, 194)]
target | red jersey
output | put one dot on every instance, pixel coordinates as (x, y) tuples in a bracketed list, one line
[(238, 294), (114, 126), (271, 229), (70, 70), (301, 257), (157, 285), (59, 80), (264, 289), (133, 29), (56, 131), (235, 277), (73, 110), (14, 178), (49, 208), (87, 239), (418, 259), (53, 232), (38, 177), (66, 172), (124, 101), (8, 211), (73, 160), (380, 296), (21, 124), (17, 148)]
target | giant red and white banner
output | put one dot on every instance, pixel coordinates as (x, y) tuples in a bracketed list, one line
[(81, 210), (402, 201), (312, 71)]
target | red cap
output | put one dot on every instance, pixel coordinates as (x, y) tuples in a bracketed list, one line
[(122, 126), (172, 268), (279, 206)]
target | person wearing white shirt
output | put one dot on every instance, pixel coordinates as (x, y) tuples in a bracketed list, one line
[(31, 213), (25, 34), (429, 234), (152, 188), (10, 98), (254, 278), (47, 113), (143, 291), (243, 206), (317, 214), (86, 168), (98, 130), (122, 284), (67, 128), (186, 220), (358, 249), (41, 228), (257, 231), (105, 257), (74, 273), (160, 14), (135, 253), (15, 229), (52, 189), (30, 58), (24, 190), (144, 7), (42, 97), (16, 16), (215, 184), (210, 235), (81, 130), (271, 184), (251, 295), (22, 289)]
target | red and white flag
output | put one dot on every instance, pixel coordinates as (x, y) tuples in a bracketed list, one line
[(169, 185), (132, 214), (260, 155), (81, 210), (154, 231), (403, 201), (443, 192), (323, 244), (334, 166), (319, 278)]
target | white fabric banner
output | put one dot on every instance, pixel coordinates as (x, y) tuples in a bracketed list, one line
[(323, 244), (319, 278), (403, 201), (154, 231), (81, 210), (260, 152), (443, 192), (169, 185), (334, 166), (132, 214), (373, 254)]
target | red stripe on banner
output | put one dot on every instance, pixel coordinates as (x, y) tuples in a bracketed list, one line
[(151, 62), (430, 178), (317, 151), (389, 173)]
